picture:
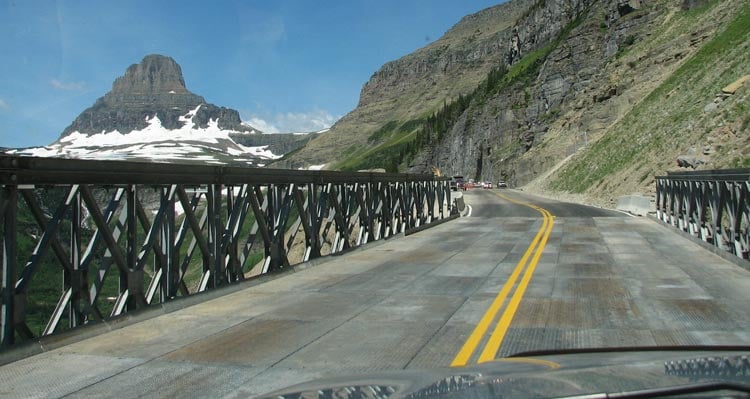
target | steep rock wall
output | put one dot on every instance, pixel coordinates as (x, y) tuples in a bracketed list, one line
[(489, 139)]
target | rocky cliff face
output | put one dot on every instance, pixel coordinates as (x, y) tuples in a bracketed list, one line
[(486, 141), (278, 143), (417, 84), (590, 111), (154, 87), (471, 47)]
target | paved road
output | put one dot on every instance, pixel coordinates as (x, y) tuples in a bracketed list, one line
[(490, 204), (520, 274)]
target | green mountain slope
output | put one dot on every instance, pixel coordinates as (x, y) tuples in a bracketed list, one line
[(686, 113)]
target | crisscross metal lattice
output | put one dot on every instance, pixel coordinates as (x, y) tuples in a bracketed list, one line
[(713, 205), (90, 240)]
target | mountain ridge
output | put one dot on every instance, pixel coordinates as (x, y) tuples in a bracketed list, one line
[(419, 91)]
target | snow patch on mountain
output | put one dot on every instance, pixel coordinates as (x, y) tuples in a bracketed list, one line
[(189, 142)]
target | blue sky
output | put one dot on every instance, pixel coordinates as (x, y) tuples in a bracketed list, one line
[(285, 65)]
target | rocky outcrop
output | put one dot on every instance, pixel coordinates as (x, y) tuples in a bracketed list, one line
[(499, 35), (507, 40), (278, 143), (417, 84), (488, 139), (690, 4), (690, 161), (476, 42), (154, 87)]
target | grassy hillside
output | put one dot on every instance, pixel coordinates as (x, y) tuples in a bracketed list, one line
[(676, 118)]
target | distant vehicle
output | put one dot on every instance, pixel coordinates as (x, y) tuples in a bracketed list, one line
[(457, 183), (502, 184), (487, 184)]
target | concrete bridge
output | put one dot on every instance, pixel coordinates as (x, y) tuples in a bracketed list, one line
[(521, 273)]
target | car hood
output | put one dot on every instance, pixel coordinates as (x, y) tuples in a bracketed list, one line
[(626, 371)]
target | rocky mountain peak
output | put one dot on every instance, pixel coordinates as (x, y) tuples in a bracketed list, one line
[(151, 115), (156, 74), (156, 81), (152, 88)]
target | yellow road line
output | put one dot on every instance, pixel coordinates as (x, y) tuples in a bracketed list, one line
[(471, 344), (496, 339), (538, 243)]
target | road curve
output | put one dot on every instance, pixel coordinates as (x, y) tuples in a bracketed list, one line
[(521, 274), (491, 204)]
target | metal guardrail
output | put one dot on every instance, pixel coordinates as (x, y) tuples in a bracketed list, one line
[(90, 240), (712, 205)]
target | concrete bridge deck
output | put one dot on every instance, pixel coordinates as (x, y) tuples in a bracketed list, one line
[(511, 277)]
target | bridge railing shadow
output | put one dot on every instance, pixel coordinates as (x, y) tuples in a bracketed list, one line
[(91, 240)]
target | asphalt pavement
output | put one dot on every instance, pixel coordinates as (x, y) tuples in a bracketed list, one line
[(487, 204)]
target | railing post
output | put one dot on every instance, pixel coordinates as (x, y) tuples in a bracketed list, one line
[(132, 246), (169, 266), (405, 206), (76, 279), (215, 228), (315, 211), (273, 216), (721, 208), (9, 206)]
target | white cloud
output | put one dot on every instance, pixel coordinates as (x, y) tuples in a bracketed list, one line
[(269, 30), (306, 122), (262, 125), (294, 122), (60, 85), (4, 105)]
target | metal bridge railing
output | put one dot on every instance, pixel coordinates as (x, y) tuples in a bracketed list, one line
[(90, 240), (713, 205)]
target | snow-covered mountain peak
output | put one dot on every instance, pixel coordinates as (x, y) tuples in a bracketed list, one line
[(150, 115)]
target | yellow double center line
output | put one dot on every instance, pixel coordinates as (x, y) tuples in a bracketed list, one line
[(501, 328)]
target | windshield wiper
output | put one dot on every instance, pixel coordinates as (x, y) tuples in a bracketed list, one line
[(670, 391)]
